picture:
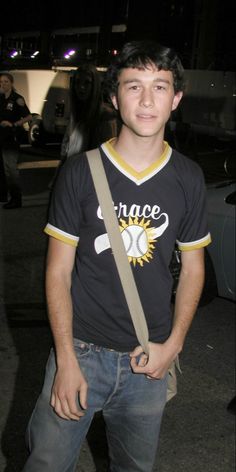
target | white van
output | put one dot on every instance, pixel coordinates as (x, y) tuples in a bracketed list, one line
[(46, 93)]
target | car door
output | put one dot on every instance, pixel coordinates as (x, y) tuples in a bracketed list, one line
[(228, 245)]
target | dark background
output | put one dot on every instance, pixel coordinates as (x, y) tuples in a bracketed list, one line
[(202, 31)]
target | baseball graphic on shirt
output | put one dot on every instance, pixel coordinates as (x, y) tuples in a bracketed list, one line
[(135, 240), (139, 239)]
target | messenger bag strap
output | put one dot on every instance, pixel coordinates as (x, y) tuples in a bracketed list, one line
[(118, 248)]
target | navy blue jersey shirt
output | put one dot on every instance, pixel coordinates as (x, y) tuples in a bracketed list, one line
[(155, 208)]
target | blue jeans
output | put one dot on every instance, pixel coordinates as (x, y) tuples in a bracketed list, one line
[(132, 408)]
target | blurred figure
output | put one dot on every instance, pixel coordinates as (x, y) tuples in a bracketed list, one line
[(92, 121), (13, 114)]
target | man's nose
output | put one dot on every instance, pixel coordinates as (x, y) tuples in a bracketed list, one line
[(147, 98)]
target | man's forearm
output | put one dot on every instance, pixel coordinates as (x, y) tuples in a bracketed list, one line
[(69, 383), (60, 315), (186, 302)]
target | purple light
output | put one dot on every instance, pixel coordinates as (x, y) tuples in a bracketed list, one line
[(13, 54), (69, 53)]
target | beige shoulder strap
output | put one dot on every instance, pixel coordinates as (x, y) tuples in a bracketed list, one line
[(118, 249)]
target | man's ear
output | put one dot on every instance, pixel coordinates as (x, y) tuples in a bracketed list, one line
[(176, 100), (114, 102)]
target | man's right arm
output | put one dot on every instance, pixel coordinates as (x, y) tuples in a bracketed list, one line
[(69, 383)]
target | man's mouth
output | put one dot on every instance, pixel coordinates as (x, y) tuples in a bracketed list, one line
[(143, 116)]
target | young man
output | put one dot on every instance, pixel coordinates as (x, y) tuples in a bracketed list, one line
[(96, 363)]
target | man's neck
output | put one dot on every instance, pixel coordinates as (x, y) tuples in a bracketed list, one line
[(137, 151)]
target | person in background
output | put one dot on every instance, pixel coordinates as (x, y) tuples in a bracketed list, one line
[(92, 120), (13, 114), (96, 363)]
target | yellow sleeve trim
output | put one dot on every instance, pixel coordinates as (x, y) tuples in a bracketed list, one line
[(195, 244), (61, 236)]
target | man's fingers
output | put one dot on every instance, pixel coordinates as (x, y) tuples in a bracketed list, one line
[(136, 352), (83, 396), (136, 367), (138, 362), (53, 400), (60, 409), (74, 410), (66, 409), (142, 361)]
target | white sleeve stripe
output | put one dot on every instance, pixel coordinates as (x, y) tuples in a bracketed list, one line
[(62, 233), (198, 242)]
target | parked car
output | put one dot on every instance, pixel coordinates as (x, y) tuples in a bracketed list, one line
[(221, 200), (220, 254)]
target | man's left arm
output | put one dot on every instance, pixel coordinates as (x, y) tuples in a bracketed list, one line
[(187, 297), (188, 294)]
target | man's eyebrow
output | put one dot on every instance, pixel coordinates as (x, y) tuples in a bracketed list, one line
[(130, 81), (165, 81), (156, 80)]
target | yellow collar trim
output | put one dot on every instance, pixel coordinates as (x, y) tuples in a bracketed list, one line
[(158, 164)]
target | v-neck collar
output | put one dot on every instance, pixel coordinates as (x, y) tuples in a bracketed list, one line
[(128, 171)]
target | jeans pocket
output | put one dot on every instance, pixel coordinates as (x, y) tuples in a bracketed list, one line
[(81, 348)]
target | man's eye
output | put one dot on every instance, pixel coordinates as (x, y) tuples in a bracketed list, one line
[(134, 87), (159, 87)]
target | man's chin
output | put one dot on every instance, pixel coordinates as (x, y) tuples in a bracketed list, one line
[(146, 134)]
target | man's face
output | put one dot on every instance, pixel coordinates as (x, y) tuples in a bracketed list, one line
[(145, 99)]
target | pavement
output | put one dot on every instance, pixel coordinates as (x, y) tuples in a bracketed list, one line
[(198, 433)]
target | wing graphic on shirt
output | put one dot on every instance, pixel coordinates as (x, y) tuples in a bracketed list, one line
[(138, 237)]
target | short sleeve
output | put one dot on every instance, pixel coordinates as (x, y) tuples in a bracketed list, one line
[(194, 231), (65, 209)]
